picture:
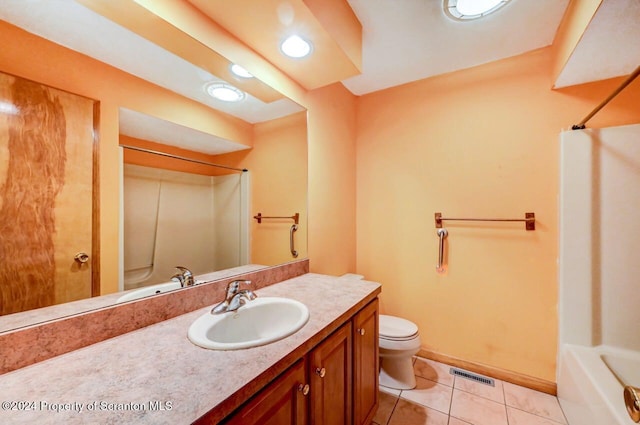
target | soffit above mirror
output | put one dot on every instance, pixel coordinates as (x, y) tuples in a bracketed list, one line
[(146, 127), (331, 26), (148, 48)]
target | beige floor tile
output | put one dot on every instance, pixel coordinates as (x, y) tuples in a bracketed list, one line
[(387, 404), (495, 393), (430, 394), (532, 401), (391, 391), (456, 421), (477, 410), (407, 413), (433, 371), (519, 417)]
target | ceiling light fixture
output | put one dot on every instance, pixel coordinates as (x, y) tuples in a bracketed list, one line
[(240, 71), (224, 92), (295, 46), (8, 108), (464, 10)]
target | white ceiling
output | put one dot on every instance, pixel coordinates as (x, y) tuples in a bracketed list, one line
[(408, 40)]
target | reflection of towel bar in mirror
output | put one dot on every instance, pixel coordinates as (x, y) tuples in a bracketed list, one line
[(529, 220), (261, 217)]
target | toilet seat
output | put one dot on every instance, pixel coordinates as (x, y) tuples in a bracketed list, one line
[(397, 329)]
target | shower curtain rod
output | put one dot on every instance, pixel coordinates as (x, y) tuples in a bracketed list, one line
[(182, 158), (625, 83)]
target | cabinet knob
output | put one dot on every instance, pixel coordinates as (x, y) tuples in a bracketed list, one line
[(304, 389), (361, 331), (321, 372)]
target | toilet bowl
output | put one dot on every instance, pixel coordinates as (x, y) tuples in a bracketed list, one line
[(399, 342)]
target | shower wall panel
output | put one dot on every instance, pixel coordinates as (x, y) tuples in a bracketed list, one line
[(178, 219), (600, 237)]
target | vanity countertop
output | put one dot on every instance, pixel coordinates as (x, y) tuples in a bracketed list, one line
[(155, 375)]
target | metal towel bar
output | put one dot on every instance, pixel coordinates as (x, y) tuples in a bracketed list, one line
[(529, 220), (259, 217)]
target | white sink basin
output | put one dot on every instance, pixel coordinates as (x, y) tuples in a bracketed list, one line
[(258, 322), (149, 290)]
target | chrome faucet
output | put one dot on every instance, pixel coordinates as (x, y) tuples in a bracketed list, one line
[(185, 277), (235, 298)]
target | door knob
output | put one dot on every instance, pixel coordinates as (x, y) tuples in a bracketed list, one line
[(320, 372), (81, 257), (361, 331)]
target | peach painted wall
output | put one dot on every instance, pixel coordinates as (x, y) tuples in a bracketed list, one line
[(481, 142), (33, 58), (332, 174)]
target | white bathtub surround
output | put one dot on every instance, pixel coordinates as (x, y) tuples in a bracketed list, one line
[(174, 218), (588, 390), (599, 242)]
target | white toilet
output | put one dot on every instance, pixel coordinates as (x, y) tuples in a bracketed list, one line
[(399, 342)]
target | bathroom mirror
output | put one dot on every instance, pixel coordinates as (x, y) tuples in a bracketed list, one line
[(257, 123)]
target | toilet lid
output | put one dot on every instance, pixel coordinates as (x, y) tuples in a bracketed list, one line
[(392, 327)]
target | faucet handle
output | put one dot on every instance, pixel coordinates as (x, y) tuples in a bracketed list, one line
[(234, 287), (184, 271), (184, 276)]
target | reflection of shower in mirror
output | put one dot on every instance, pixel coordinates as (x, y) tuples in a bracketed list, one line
[(172, 217)]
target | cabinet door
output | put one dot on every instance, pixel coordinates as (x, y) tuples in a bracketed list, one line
[(282, 402), (365, 364), (331, 379)]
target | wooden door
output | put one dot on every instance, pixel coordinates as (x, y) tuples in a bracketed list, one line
[(330, 379), (46, 195), (365, 364), (283, 402)]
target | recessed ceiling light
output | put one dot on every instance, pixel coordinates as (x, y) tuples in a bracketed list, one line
[(295, 46), (240, 71), (472, 9), (224, 92), (8, 108)]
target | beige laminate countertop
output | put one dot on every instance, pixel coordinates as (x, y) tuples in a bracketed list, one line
[(155, 375)]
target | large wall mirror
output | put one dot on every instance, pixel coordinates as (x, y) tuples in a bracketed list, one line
[(180, 174)]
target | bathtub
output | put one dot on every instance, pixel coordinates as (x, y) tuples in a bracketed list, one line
[(591, 382)]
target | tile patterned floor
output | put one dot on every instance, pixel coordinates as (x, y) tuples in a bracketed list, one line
[(444, 399)]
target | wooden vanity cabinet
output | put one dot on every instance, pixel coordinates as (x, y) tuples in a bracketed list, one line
[(336, 383), (283, 402), (330, 379), (365, 364)]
